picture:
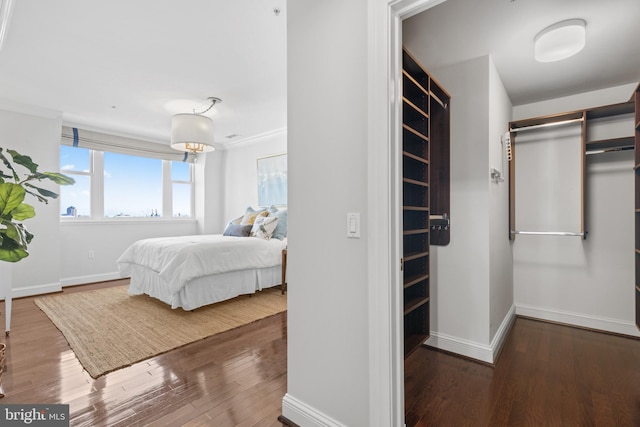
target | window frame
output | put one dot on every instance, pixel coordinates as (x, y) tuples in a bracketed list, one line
[(96, 199)]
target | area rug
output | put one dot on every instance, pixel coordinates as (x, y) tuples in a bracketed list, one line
[(109, 329)]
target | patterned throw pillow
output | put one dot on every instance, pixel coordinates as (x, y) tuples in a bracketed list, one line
[(250, 215), (263, 227)]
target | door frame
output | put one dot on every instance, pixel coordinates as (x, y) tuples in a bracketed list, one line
[(386, 355)]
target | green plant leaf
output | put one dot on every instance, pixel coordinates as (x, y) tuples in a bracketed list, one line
[(11, 195), (12, 255), (23, 160), (8, 164), (23, 211), (44, 192), (58, 178)]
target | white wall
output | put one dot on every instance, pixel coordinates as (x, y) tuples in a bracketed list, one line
[(241, 172), (500, 254), (586, 282), (327, 272), (107, 241), (39, 138)]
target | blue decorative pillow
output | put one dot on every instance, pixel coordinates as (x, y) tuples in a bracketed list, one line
[(237, 230), (281, 230)]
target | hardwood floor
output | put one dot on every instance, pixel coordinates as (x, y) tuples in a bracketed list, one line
[(546, 375), (236, 378)]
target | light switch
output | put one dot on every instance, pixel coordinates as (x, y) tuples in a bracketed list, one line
[(353, 225)]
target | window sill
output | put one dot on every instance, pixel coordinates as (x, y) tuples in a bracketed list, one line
[(114, 221)]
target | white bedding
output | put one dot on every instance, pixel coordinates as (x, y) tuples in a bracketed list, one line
[(179, 260)]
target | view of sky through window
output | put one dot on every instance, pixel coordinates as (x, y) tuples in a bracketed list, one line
[(132, 185)]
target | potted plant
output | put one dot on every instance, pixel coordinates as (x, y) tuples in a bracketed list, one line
[(15, 183)]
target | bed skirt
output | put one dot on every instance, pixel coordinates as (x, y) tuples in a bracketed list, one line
[(204, 290)]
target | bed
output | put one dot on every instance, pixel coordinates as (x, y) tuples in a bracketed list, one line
[(192, 271)]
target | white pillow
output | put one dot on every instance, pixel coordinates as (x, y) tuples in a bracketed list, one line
[(264, 226)]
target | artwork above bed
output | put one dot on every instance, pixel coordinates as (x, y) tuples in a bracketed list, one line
[(272, 180)]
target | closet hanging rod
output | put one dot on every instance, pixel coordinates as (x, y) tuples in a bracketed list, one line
[(549, 233), (544, 125), (609, 150)]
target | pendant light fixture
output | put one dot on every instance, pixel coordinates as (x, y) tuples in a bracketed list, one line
[(193, 132)]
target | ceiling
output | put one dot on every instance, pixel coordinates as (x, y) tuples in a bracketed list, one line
[(459, 30), (123, 65)]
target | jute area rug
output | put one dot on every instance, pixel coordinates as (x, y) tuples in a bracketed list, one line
[(109, 329)]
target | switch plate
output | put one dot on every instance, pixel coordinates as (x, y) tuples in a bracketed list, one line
[(353, 225)]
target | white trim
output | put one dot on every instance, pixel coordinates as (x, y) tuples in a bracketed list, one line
[(306, 415), (386, 360), (252, 139), (461, 346), (83, 280), (29, 291), (474, 350), (501, 334), (605, 324)]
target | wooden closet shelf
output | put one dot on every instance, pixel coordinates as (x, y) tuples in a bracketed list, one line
[(414, 255), (412, 342), (416, 208), (412, 280), (414, 303), (415, 231), (415, 182), (415, 107), (604, 144), (410, 77), (414, 157), (415, 132), (610, 110)]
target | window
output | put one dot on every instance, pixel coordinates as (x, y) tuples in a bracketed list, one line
[(75, 200), (181, 179), (123, 179), (132, 186)]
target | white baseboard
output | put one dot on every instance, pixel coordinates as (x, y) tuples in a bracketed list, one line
[(474, 350), (501, 334), (29, 291), (83, 280), (305, 415), (616, 326), (48, 288)]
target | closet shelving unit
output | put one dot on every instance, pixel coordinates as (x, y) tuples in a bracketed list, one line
[(611, 144), (419, 93), (585, 116)]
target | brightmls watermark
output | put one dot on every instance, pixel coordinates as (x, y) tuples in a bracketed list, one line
[(34, 415)]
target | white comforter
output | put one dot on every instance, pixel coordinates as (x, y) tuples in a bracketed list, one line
[(177, 260)]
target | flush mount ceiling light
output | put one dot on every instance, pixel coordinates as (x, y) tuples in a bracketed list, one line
[(193, 132), (560, 40)]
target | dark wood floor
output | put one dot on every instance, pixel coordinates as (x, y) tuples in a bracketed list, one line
[(547, 375), (236, 378)]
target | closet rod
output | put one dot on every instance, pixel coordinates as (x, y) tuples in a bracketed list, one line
[(609, 150), (544, 125), (549, 233)]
